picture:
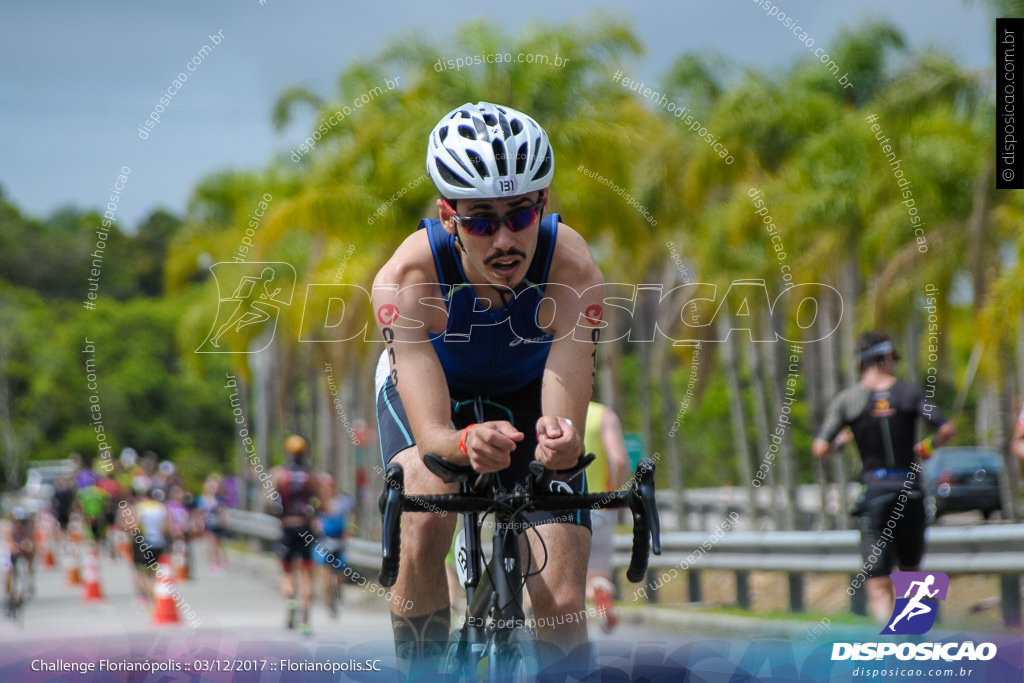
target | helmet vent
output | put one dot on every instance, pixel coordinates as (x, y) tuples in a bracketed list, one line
[(478, 163), (490, 119), (500, 156), (544, 166), (521, 156), (504, 127), (448, 176), (516, 126), (467, 132), (442, 133)]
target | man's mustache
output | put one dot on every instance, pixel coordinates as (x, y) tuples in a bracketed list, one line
[(498, 255)]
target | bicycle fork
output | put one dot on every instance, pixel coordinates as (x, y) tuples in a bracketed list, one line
[(495, 593)]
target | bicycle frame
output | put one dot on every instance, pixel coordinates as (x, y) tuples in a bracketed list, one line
[(19, 586), (494, 591), (491, 593)]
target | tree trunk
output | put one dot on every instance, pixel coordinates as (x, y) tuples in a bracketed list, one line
[(645, 318), (739, 427), (327, 427), (612, 389), (1010, 484), (763, 430), (665, 315), (12, 456), (849, 323), (788, 468), (977, 223), (261, 371), (829, 389)]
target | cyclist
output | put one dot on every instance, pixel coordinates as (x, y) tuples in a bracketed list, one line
[(18, 544), (95, 502), (470, 374), (607, 473), (154, 525), (333, 527), (882, 413), (300, 497), (61, 504), (212, 511), (179, 519)]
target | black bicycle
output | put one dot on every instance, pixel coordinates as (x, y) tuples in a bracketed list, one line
[(494, 635), (20, 588)]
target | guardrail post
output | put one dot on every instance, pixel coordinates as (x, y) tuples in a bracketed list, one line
[(796, 592), (1010, 588), (652, 590), (858, 601), (696, 594), (743, 589)]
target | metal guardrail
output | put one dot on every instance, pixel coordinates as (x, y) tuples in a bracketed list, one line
[(988, 549), (360, 553)]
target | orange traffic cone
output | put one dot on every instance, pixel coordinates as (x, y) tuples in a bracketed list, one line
[(74, 578), (124, 546), (179, 561), (44, 537), (165, 610), (92, 574)]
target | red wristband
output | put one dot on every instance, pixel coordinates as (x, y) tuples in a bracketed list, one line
[(462, 440)]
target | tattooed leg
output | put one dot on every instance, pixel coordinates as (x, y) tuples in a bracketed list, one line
[(421, 641)]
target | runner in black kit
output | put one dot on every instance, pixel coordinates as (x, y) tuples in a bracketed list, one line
[(882, 413), (299, 491)]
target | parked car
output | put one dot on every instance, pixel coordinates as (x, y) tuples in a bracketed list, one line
[(962, 479)]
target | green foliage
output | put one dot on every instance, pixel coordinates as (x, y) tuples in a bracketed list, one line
[(795, 133)]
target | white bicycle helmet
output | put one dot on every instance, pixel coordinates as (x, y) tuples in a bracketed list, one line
[(485, 150)]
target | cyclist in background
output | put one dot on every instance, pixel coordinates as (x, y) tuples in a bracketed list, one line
[(154, 524), (179, 522), (604, 439), (333, 527), (115, 494), (211, 507), (18, 544), (471, 375), (882, 413), (94, 501), (300, 497), (61, 505)]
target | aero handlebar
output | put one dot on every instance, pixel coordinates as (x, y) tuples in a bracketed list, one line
[(639, 498)]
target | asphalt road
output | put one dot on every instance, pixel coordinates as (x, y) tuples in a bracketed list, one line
[(237, 610)]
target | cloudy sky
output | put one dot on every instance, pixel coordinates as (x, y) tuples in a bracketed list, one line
[(78, 79)]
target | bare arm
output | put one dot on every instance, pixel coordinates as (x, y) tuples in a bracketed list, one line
[(569, 372), (405, 294), (820, 448), (615, 448)]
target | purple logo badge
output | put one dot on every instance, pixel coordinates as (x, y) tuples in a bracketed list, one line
[(917, 596)]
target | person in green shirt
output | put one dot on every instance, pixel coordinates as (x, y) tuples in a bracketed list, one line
[(603, 437)]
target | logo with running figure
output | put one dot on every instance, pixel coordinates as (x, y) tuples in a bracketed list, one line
[(914, 613), (251, 310)]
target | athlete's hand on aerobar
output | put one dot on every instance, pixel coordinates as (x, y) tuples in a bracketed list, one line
[(489, 445), (559, 445)]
